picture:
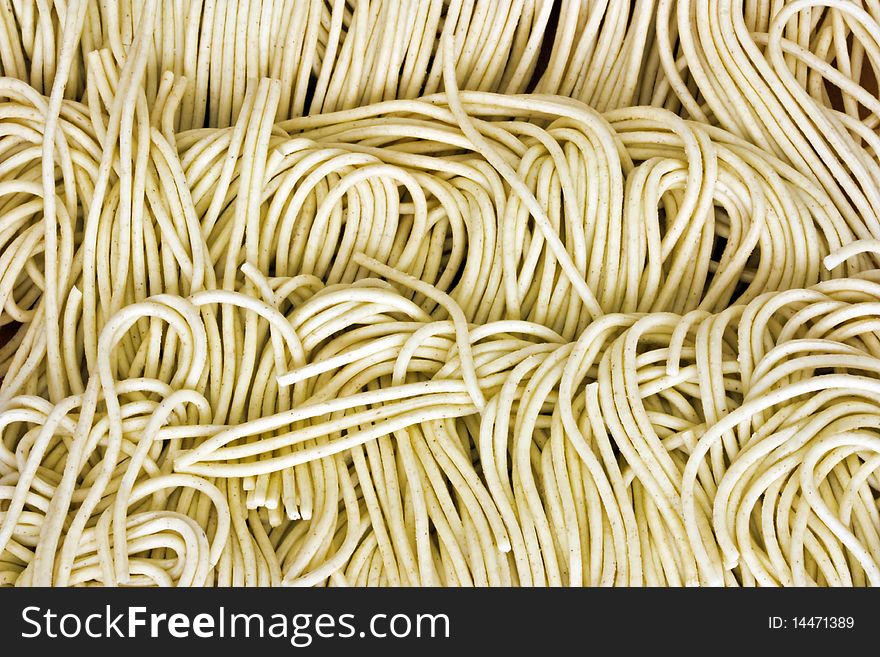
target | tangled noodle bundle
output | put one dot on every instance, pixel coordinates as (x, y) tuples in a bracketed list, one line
[(492, 293)]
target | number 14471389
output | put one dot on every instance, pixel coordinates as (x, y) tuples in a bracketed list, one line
[(811, 623)]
